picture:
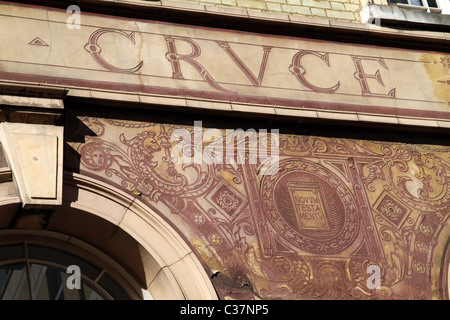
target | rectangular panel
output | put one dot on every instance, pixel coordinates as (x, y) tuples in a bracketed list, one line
[(110, 53), (34, 154), (37, 155)]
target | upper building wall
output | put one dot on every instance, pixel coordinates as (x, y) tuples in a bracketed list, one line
[(347, 10), (343, 10), (164, 63)]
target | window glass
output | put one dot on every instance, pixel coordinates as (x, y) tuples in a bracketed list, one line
[(399, 1), (45, 283), (11, 252), (62, 258), (107, 282), (13, 282), (420, 3), (42, 275), (48, 283), (90, 294), (416, 3)]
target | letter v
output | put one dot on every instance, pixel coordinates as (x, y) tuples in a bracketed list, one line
[(248, 73)]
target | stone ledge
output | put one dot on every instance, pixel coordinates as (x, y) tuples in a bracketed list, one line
[(34, 153), (143, 100), (45, 103), (266, 110)]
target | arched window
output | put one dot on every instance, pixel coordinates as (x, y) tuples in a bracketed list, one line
[(32, 270)]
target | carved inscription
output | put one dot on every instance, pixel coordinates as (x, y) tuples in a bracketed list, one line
[(95, 50), (165, 59), (299, 71), (298, 68), (311, 208), (308, 206)]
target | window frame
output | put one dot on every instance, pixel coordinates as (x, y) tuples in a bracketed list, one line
[(32, 293), (78, 249), (443, 7)]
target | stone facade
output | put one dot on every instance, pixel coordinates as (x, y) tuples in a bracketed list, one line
[(345, 10), (335, 207)]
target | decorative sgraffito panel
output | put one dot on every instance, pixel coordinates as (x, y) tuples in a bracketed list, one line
[(309, 230)]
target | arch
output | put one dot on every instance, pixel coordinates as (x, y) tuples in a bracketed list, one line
[(440, 267), (103, 276), (170, 269), (446, 273), (444, 268), (169, 257)]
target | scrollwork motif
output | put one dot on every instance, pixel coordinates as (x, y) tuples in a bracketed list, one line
[(138, 168)]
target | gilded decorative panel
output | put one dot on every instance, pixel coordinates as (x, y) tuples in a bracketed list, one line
[(312, 229)]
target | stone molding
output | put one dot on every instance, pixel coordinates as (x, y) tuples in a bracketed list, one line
[(35, 155), (172, 258)]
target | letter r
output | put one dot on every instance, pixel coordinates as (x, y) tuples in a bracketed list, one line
[(174, 57)]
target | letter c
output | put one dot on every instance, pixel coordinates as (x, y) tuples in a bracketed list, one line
[(299, 71), (226, 307), (95, 50)]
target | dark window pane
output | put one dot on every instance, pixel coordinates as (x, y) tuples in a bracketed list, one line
[(416, 3), (84, 293), (49, 283), (55, 284), (66, 293), (39, 290), (90, 294), (46, 283), (398, 1), (14, 282), (11, 252), (432, 3), (113, 288), (62, 258)]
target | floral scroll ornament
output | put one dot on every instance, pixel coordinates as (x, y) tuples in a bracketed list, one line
[(420, 178), (216, 239), (143, 164), (421, 247), (418, 266), (391, 210), (227, 201), (198, 218)]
